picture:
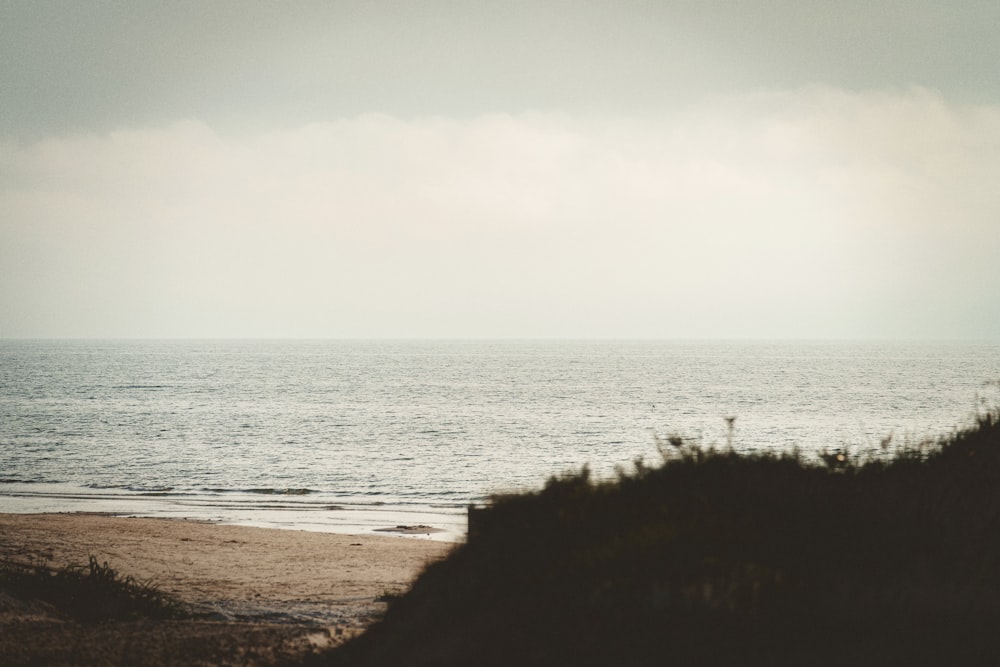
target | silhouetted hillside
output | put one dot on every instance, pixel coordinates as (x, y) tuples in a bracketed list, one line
[(721, 559)]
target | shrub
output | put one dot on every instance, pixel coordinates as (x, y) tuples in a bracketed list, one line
[(90, 594)]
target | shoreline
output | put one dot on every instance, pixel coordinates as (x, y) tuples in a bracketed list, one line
[(233, 573), (315, 514)]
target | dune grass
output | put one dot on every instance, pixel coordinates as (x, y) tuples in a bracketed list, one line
[(91, 594), (716, 558)]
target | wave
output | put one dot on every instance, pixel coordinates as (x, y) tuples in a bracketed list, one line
[(141, 386), (142, 490), (286, 497), (282, 492), (263, 491)]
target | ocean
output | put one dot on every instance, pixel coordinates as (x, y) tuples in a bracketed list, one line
[(355, 436)]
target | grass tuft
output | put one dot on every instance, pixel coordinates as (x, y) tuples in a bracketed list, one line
[(93, 593)]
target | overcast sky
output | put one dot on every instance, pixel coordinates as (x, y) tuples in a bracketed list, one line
[(702, 169)]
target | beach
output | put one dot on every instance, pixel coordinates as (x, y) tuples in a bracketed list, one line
[(288, 591)]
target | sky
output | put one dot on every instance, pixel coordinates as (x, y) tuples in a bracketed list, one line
[(505, 169)]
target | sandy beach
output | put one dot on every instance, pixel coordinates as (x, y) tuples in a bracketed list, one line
[(294, 589)]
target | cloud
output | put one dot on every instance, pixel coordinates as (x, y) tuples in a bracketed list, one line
[(814, 212)]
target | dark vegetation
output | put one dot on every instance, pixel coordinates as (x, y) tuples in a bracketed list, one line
[(92, 594), (715, 558)]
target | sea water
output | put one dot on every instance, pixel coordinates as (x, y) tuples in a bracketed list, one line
[(354, 436)]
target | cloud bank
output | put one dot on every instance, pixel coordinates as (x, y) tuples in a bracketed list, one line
[(805, 213)]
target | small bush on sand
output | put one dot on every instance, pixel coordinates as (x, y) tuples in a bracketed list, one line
[(90, 594)]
